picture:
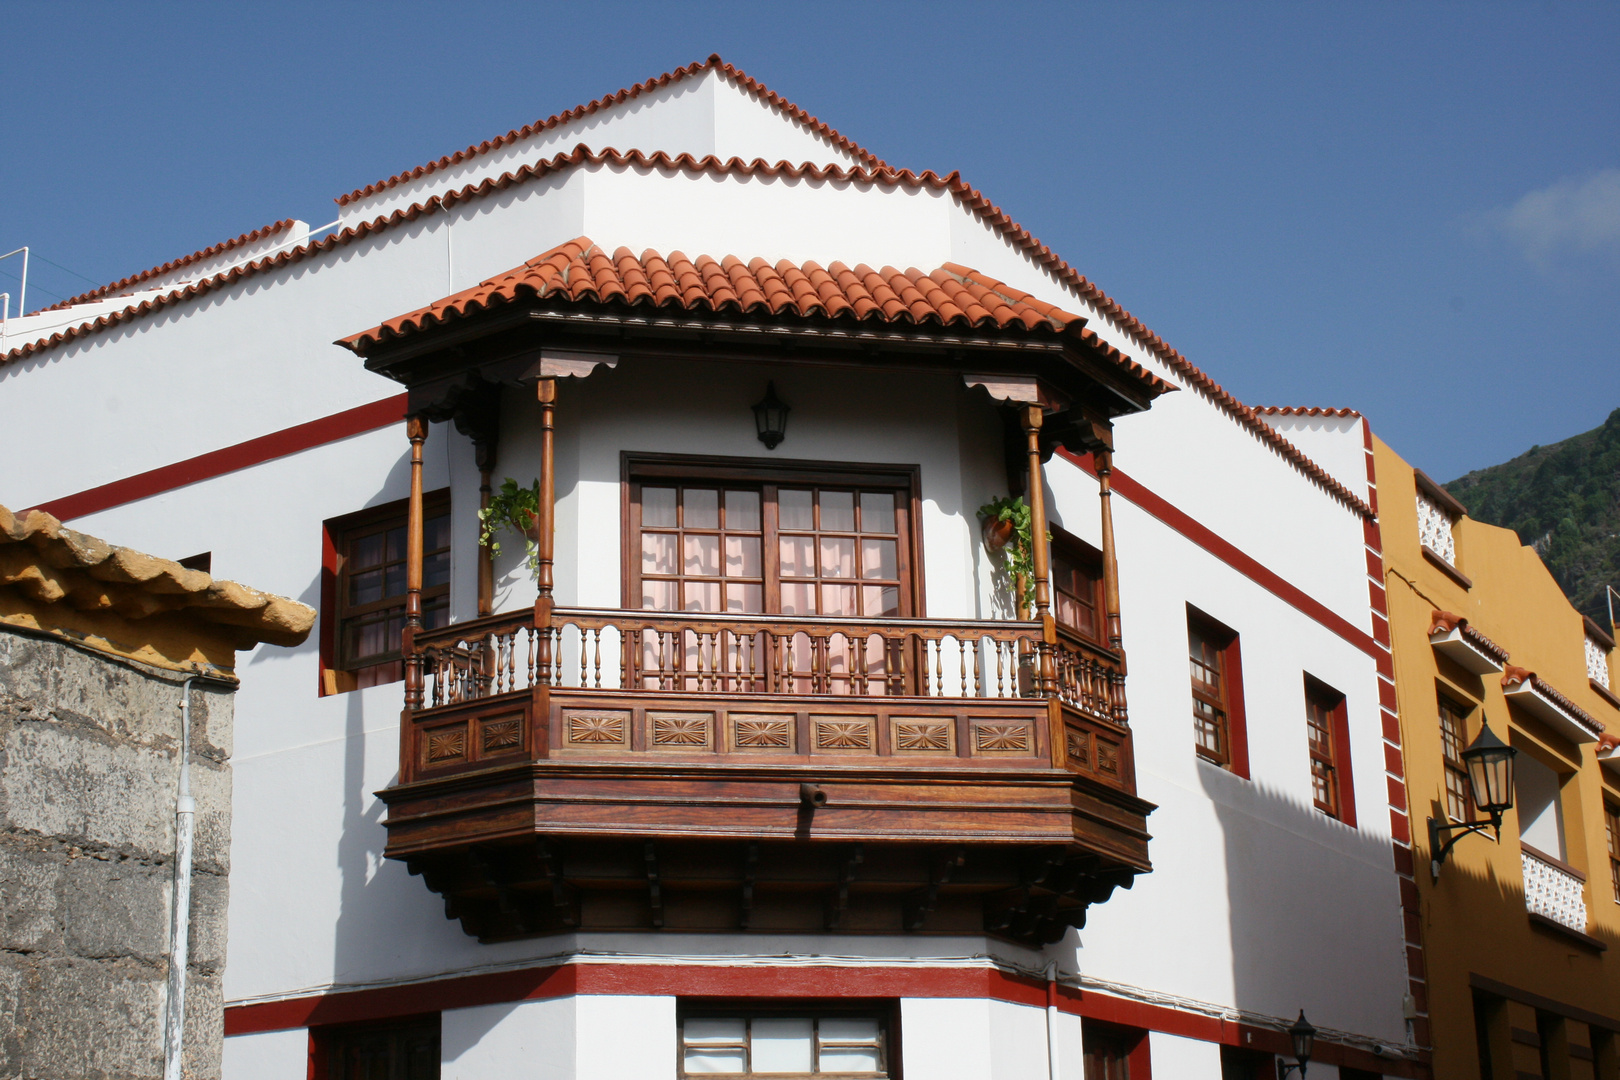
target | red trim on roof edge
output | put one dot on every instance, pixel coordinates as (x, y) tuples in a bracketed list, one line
[(747, 82), (186, 260), (971, 198), (1303, 410)]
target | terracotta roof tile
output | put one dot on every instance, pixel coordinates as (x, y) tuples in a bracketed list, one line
[(186, 260), (1303, 410), (1446, 621), (714, 63), (47, 563), (969, 197), (1515, 676), (580, 271)]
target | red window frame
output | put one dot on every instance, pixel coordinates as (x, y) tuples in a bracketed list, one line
[(1227, 650), (1109, 1046), (1327, 704)]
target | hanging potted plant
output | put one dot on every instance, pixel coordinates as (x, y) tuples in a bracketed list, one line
[(1008, 529), (515, 509)]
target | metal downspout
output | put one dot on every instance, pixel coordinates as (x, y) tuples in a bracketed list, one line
[(1051, 1021)]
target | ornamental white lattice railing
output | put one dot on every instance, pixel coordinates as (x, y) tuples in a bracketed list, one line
[(1434, 529), (1553, 892), (1597, 662)]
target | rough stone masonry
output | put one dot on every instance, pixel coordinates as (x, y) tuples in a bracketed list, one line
[(89, 767)]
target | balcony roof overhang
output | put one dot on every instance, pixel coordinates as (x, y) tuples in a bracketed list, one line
[(1522, 688), (1453, 638)]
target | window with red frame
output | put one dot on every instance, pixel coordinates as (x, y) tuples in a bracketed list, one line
[(1217, 693), (1113, 1053), (1611, 824), (363, 593), (387, 1050), (1329, 738)]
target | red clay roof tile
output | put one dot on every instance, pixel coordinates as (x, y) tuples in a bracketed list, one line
[(742, 79), (581, 271)]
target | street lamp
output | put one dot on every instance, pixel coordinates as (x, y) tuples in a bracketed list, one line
[(1304, 1038), (1489, 762), (770, 417)]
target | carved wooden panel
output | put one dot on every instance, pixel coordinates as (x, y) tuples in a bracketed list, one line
[(690, 731), (1079, 745), (1107, 757), (843, 734), (769, 733), (500, 735), (443, 746), (922, 735), (596, 728), (1003, 737)]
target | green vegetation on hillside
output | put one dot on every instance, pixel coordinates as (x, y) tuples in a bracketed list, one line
[(1564, 501)]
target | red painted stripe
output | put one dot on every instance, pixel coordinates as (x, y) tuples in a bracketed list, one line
[(277, 444), (1231, 555), (755, 983)]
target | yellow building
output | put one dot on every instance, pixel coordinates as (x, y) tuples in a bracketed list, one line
[(1513, 960)]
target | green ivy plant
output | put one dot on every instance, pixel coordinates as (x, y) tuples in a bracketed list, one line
[(513, 508), (1020, 550)]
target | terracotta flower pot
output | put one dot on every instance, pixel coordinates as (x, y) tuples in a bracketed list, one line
[(997, 533)]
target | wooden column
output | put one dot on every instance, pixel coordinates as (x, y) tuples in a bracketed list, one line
[(416, 430), (1046, 677), (484, 454), (1104, 460), (545, 529)]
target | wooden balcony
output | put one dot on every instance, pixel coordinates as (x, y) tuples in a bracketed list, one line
[(637, 769)]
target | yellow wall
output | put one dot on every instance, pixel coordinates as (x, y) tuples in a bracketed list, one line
[(1473, 920)]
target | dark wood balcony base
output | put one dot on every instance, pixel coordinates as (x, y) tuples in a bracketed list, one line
[(544, 847), (505, 891)]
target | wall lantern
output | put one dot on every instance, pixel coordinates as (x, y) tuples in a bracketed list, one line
[(770, 417), (1304, 1039), (1489, 762)]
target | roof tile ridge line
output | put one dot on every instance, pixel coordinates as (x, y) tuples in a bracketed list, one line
[(581, 154), (1054, 264), (175, 264), (1305, 410), (748, 82)]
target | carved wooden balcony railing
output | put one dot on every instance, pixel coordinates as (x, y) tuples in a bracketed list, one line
[(946, 761)]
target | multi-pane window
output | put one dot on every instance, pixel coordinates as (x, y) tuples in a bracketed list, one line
[(1611, 823), (784, 1046), (405, 1050), (370, 550), (1323, 717), (1212, 731), (811, 550), (1077, 590), (1453, 738)]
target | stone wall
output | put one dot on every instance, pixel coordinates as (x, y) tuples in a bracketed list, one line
[(88, 776)]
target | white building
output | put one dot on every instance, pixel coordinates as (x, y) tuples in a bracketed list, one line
[(657, 900)]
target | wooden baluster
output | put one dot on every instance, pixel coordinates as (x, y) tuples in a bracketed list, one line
[(978, 647), (961, 652), (596, 663)]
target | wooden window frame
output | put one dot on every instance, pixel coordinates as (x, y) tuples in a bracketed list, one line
[(1338, 723), (885, 1010), (1138, 1060), (1067, 546), (336, 676), (1611, 826), (1452, 768), (1229, 646), (324, 1040), (637, 468)]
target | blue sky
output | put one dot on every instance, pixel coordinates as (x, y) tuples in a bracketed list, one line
[(1412, 209)]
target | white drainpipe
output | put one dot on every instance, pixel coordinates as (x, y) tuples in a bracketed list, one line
[(1051, 1021), (185, 812)]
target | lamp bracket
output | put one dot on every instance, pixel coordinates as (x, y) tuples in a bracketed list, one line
[(1459, 829)]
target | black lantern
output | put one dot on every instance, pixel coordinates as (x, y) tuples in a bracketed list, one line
[(770, 417), (1489, 761), (1490, 773), (1304, 1036)]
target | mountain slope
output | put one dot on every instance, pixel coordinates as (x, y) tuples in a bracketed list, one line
[(1564, 501)]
